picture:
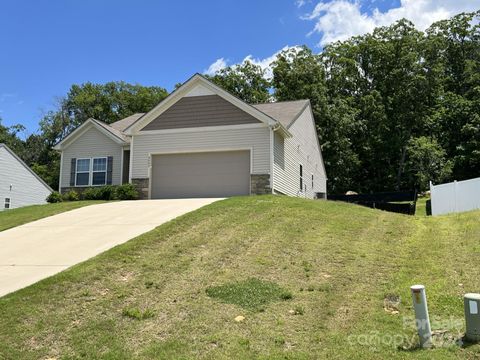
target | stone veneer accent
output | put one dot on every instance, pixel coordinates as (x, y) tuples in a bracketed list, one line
[(142, 186), (260, 184)]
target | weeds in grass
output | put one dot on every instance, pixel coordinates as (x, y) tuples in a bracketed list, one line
[(137, 314), (252, 294), (244, 343), (307, 268), (325, 287)]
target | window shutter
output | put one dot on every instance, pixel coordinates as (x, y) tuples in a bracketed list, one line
[(72, 172), (109, 170)]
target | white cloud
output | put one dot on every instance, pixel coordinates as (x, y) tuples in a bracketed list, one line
[(263, 63), (218, 65), (300, 3), (266, 62), (341, 19)]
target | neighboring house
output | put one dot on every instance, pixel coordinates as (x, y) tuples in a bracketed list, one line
[(19, 185), (200, 141)]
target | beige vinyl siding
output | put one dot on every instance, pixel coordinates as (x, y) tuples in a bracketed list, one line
[(198, 111), (289, 153), (18, 184), (257, 139), (92, 143)]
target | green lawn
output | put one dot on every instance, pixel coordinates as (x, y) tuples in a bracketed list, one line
[(421, 209), (15, 217), (255, 277)]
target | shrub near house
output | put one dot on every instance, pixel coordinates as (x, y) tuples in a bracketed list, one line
[(108, 192)]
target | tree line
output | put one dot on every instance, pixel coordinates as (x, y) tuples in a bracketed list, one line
[(394, 109)]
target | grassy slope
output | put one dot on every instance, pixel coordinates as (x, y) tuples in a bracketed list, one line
[(338, 260), (15, 217)]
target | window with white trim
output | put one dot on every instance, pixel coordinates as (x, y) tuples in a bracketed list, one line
[(82, 175), (91, 172), (7, 203), (99, 171)]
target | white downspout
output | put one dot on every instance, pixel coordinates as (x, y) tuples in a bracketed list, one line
[(272, 154), (61, 173), (131, 161)]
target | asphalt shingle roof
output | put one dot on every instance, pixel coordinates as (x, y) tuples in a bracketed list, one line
[(285, 112), (112, 130), (126, 122)]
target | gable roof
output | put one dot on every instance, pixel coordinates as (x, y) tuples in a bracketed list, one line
[(112, 130), (181, 91), (126, 122), (10, 151), (116, 135), (285, 112)]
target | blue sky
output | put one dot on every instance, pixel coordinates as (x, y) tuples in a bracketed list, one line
[(48, 45)]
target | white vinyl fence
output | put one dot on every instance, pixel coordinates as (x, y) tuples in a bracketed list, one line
[(454, 197)]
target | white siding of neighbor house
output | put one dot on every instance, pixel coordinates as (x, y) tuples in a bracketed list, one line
[(301, 148), (92, 143), (256, 139), (18, 183)]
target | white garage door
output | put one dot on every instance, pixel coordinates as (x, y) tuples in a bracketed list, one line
[(208, 174)]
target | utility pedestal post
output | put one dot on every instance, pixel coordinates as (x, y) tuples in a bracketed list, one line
[(472, 317), (422, 319)]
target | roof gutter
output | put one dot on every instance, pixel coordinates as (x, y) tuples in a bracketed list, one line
[(282, 130)]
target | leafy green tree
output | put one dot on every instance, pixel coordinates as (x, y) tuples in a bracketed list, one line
[(455, 51), (299, 74), (8, 136), (246, 81), (426, 161), (110, 102), (49, 173)]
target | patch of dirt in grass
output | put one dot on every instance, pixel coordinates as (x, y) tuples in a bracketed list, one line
[(391, 304), (128, 276)]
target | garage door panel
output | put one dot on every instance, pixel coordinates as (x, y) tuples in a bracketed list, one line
[(210, 174)]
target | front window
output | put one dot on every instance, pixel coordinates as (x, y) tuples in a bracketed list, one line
[(7, 203), (82, 177), (99, 171), (91, 172)]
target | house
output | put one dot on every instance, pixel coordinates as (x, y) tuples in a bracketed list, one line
[(200, 141), (19, 185)]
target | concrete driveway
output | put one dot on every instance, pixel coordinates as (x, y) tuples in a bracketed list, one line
[(34, 251)]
